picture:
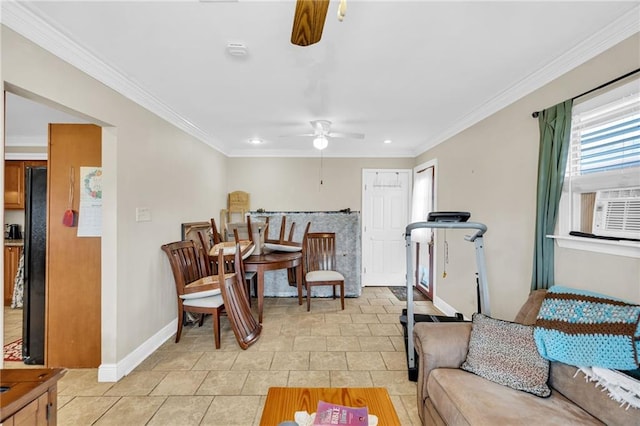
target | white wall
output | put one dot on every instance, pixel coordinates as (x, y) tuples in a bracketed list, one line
[(147, 163), (293, 184), (2, 222), (490, 170)]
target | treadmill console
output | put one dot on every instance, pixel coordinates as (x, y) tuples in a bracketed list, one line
[(448, 216)]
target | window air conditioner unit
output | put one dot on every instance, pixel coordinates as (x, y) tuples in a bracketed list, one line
[(616, 213)]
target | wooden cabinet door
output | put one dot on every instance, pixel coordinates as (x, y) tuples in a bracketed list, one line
[(14, 185), (11, 262)]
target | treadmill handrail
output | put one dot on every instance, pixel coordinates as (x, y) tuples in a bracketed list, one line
[(480, 228)]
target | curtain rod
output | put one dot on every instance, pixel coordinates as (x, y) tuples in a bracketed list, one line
[(535, 114)]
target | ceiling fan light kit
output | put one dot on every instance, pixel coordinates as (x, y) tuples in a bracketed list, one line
[(320, 143), (322, 132)]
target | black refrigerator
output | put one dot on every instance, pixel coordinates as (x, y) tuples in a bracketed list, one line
[(35, 246)]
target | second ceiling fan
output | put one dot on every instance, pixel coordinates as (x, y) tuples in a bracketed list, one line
[(309, 18), (322, 131)]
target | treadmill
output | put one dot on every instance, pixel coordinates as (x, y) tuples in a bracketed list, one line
[(442, 220)]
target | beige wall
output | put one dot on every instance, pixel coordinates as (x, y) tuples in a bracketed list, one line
[(293, 184), (147, 163), (490, 170)]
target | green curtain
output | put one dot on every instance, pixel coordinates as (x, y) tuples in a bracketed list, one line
[(555, 133)]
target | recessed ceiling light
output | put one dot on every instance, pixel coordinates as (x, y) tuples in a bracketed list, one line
[(255, 141), (387, 141)]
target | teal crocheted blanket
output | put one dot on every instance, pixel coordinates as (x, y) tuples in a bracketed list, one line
[(587, 329)]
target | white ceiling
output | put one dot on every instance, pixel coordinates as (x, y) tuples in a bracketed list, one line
[(414, 72)]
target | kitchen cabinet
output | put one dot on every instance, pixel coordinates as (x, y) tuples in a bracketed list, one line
[(14, 185), (11, 261), (14, 182), (30, 396)]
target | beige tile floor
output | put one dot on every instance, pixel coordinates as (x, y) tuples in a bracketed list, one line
[(192, 383)]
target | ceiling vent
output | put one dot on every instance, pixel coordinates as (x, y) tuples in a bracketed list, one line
[(237, 49)]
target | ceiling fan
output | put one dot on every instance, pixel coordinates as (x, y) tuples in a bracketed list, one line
[(322, 131), (309, 18)]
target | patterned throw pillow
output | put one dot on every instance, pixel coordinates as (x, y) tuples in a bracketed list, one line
[(505, 352)]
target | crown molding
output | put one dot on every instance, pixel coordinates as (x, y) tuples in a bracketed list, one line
[(25, 21), (614, 33), (314, 153)]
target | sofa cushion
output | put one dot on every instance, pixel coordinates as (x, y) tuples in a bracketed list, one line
[(462, 398), (572, 383), (505, 352)]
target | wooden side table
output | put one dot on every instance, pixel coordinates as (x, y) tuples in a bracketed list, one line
[(29, 396), (282, 403)]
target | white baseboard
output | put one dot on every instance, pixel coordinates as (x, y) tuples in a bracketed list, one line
[(114, 372), (443, 306)]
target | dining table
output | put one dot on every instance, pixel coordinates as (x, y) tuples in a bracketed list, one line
[(272, 261)]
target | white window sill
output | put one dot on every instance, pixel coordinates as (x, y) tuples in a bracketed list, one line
[(618, 248)]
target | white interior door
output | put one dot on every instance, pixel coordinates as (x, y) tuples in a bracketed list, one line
[(385, 215)]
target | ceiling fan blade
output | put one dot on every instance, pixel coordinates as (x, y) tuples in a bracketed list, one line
[(308, 21), (297, 134), (346, 135)]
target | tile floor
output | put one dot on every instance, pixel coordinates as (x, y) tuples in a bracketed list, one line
[(192, 383)]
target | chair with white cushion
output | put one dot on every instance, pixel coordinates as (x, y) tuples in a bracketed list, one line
[(197, 292), (319, 259)]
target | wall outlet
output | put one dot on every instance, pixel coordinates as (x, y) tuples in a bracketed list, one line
[(143, 214)]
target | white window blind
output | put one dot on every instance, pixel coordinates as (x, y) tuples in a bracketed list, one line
[(605, 132)]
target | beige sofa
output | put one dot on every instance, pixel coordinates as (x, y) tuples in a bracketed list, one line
[(448, 395)]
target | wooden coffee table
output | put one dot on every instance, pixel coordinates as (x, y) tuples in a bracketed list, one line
[(282, 403)]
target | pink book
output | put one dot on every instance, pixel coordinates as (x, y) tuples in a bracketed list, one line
[(329, 414)]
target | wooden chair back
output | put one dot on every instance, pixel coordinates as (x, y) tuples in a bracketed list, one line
[(245, 327), (205, 247), (214, 232), (187, 263), (320, 251)]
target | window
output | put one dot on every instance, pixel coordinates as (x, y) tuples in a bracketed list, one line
[(601, 192)]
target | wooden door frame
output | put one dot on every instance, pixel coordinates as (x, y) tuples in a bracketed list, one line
[(431, 294)]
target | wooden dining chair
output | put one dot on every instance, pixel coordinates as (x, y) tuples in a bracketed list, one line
[(319, 260), (196, 291), (281, 239), (236, 301)]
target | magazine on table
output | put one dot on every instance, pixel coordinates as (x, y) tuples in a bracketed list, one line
[(329, 414)]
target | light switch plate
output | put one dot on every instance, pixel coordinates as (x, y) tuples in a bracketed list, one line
[(143, 214)]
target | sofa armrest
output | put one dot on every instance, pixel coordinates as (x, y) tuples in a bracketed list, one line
[(439, 345)]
